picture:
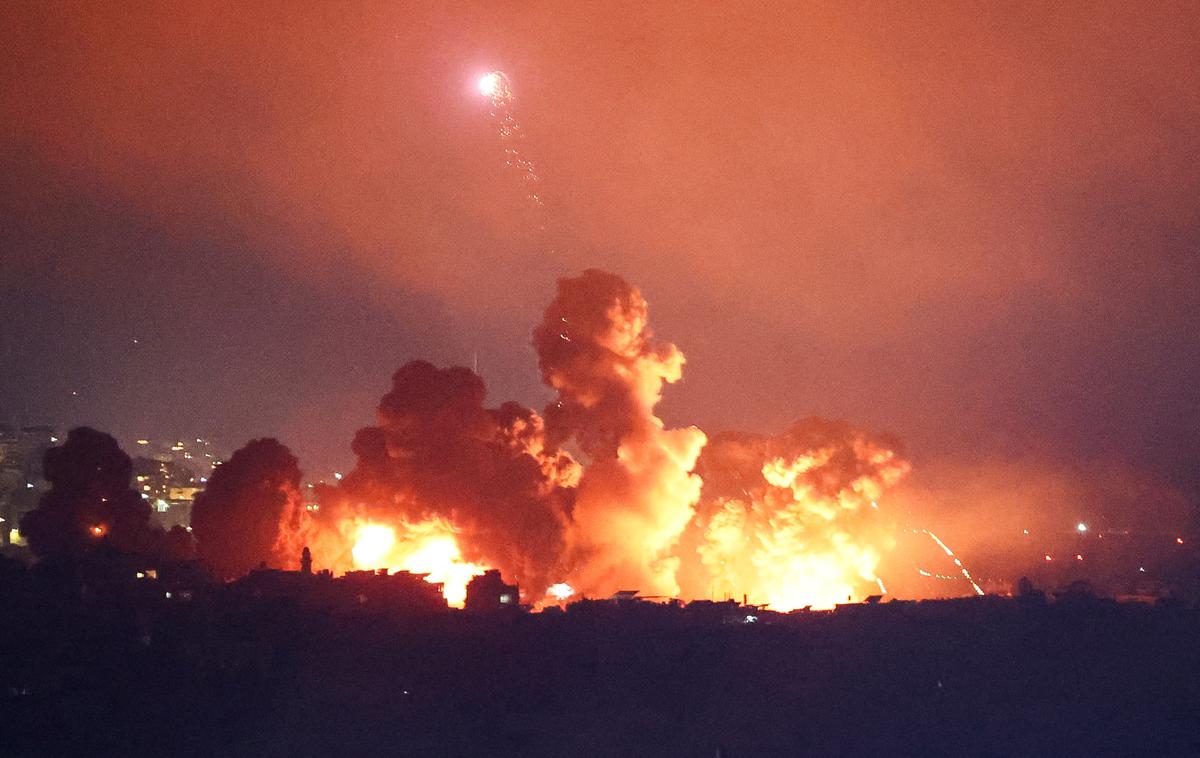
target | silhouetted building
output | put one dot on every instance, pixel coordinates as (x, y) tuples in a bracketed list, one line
[(487, 593), (374, 590)]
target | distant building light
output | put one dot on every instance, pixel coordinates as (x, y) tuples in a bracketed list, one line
[(506, 598), (1078, 557), (337, 475), (54, 439), (751, 619), (28, 485), (1142, 569), (1179, 540), (1048, 558), (143, 442), (1081, 527)]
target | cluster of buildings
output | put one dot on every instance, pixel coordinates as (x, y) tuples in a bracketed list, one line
[(381, 590), (21, 479)]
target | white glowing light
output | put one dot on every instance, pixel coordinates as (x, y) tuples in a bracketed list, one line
[(373, 543), (560, 591), (489, 84), (1081, 527)]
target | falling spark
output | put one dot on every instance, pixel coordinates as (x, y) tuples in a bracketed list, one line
[(495, 86), (966, 574)]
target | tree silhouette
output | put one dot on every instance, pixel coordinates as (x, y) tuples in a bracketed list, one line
[(90, 502), (236, 518)]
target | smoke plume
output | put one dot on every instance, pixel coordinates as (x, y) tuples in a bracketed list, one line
[(250, 501), (637, 493), (437, 452), (90, 502)]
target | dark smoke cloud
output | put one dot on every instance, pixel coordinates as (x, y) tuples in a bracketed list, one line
[(238, 518), (437, 450), (90, 502)]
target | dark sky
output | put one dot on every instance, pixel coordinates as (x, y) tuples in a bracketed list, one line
[(972, 225)]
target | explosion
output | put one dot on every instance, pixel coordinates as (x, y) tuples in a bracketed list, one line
[(787, 521), (446, 486), (429, 547)]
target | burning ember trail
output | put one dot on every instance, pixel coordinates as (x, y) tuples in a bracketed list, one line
[(966, 574), (446, 487), (495, 87)]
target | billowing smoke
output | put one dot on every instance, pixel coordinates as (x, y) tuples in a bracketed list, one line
[(637, 493), (792, 520), (436, 452), (251, 501), (442, 481), (446, 485), (90, 502)]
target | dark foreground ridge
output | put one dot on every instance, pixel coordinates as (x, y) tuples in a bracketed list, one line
[(232, 671)]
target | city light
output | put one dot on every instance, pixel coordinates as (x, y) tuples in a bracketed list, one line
[(1081, 527)]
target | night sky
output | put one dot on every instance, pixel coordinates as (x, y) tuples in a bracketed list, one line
[(974, 226)]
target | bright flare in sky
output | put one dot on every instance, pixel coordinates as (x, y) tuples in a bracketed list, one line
[(489, 84)]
